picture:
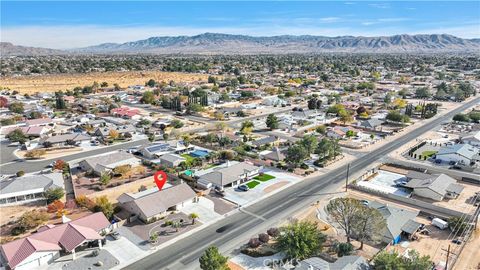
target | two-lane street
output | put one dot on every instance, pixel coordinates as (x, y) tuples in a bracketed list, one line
[(184, 253)]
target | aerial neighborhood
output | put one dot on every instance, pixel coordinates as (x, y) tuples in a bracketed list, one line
[(312, 153)]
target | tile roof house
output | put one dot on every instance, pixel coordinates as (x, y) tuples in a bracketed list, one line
[(29, 188), (396, 219), (64, 138), (104, 132), (152, 203), (435, 187), (342, 263), (232, 174), (33, 131), (461, 153), (38, 122), (126, 112), (108, 162), (44, 247)]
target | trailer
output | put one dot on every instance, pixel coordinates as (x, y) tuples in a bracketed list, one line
[(440, 223)]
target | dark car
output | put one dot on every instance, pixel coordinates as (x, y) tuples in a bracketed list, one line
[(457, 241), (115, 235), (243, 188)]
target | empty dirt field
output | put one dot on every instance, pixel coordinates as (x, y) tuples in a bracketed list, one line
[(52, 83)]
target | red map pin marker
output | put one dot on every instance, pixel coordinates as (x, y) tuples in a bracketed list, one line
[(160, 178)]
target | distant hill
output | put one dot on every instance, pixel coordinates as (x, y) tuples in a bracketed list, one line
[(212, 43), (8, 49)]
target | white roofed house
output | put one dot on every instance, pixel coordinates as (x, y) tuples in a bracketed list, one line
[(472, 139), (461, 153), (229, 174), (29, 188), (108, 162), (57, 140)]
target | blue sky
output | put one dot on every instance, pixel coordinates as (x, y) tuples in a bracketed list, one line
[(68, 24)]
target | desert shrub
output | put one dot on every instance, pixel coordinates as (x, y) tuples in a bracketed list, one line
[(18, 230), (273, 232), (263, 237), (344, 249), (254, 243)]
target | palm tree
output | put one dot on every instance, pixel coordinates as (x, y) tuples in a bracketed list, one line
[(176, 224), (193, 216)]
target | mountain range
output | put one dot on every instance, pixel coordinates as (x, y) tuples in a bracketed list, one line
[(213, 43)]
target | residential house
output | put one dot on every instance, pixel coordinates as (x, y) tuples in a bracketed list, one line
[(350, 262), (472, 139), (371, 124), (398, 221), (270, 140), (49, 242), (159, 149), (39, 122), (108, 162), (104, 132), (126, 113), (152, 204), (231, 174), (57, 140), (275, 155), (34, 131), (435, 187), (171, 160), (29, 188), (460, 153)]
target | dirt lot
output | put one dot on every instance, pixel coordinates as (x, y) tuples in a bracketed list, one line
[(470, 256), (52, 83), (434, 245)]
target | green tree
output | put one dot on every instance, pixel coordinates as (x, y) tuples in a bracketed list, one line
[(194, 217), (54, 194), (345, 116), (345, 212), (422, 92), (60, 103), (16, 107), (368, 225), (247, 127), (393, 261), (300, 240), (17, 135), (212, 259), (105, 179), (151, 83), (461, 117), (310, 143), (457, 224), (272, 121), (102, 204), (148, 97), (296, 154)]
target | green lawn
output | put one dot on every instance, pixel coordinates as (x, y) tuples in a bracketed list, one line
[(252, 184), (264, 177), (428, 153), (188, 158)]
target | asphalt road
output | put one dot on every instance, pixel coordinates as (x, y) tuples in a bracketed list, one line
[(236, 228), (34, 166)]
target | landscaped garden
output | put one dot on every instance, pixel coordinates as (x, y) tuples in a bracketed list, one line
[(252, 184), (428, 153), (264, 177)]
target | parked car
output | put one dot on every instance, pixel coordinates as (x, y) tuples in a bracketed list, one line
[(243, 188), (115, 235), (457, 241)]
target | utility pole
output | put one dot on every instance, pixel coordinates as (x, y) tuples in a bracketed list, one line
[(346, 180), (448, 255)]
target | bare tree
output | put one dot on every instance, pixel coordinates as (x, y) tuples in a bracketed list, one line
[(369, 225)]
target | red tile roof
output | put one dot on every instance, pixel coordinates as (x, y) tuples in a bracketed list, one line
[(67, 236)]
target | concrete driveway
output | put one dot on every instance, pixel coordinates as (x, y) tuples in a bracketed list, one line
[(204, 208), (282, 179), (123, 249)]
